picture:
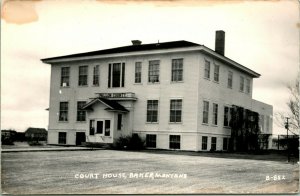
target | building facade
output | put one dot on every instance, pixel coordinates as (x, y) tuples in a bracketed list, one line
[(175, 95)]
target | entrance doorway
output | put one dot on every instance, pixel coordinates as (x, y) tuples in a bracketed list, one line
[(80, 138)]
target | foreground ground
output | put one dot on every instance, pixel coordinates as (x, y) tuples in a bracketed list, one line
[(142, 172)]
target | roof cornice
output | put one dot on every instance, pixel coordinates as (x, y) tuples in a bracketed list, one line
[(200, 48)]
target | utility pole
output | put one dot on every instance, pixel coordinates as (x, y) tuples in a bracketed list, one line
[(287, 137)]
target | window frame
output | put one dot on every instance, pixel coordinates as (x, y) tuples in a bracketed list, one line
[(177, 72), (63, 110), (204, 144), (213, 145), (215, 114), (138, 72), (83, 77), (96, 75), (119, 122), (176, 110), (151, 140), (216, 73), (228, 114), (154, 72), (248, 86), (207, 69), (112, 76), (151, 111), (80, 114), (205, 114), (92, 127), (174, 144), (242, 84), (60, 138), (64, 76), (230, 79)]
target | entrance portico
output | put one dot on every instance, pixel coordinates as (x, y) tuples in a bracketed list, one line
[(107, 118)]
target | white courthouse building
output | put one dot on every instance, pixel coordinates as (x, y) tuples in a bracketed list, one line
[(175, 95)]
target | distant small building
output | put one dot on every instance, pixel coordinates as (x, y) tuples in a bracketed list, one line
[(8, 136), (39, 134)]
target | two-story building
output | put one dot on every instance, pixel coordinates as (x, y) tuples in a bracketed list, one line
[(175, 95)]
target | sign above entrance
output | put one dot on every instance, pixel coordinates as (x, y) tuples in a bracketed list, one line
[(118, 96)]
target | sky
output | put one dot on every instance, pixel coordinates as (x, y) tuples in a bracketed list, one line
[(261, 35)]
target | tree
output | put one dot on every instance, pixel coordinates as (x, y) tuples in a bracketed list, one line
[(294, 107)]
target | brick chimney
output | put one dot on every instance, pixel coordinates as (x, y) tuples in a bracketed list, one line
[(220, 42), (136, 42)]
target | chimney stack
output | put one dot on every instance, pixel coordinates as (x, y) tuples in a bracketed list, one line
[(136, 42), (220, 42)]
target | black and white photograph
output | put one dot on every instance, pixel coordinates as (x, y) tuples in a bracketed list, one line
[(150, 97)]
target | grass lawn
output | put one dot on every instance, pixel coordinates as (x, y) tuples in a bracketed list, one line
[(59, 173)]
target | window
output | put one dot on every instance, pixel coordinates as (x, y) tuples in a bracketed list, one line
[(225, 143), (107, 128), (96, 75), (204, 142), (207, 70), (62, 137), (153, 72), (119, 122), (81, 114), (242, 83), (151, 140), (116, 75), (83, 75), (65, 77), (175, 110), (262, 122), (174, 142), (215, 114), (216, 73), (227, 116), (177, 70), (138, 72), (205, 111), (230, 78), (152, 110), (63, 111), (213, 143), (92, 127), (247, 85)]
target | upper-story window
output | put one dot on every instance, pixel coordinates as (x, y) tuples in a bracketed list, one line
[(81, 114), (138, 72), (216, 73), (242, 81), (248, 86), (116, 75), (207, 70), (230, 78), (175, 110), (83, 75), (63, 111), (96, 75), (205, 112), (177, 70), (227, 116), (153, 72), (65, 76), (215, 114), (152, 110)]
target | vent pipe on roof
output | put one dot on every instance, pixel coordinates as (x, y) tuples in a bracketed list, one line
[(136, 42), (220, 42)]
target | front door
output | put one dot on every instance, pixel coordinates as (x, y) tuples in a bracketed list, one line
[(80, 137)]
